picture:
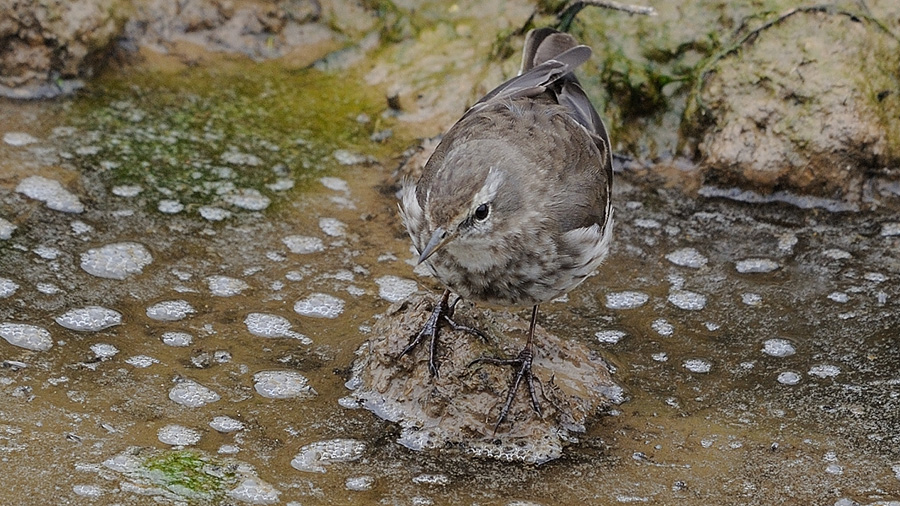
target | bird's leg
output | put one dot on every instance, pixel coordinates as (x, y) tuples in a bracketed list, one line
[(523, 364), (443, 311)]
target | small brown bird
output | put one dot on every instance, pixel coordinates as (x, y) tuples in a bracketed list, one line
[(513, 208)]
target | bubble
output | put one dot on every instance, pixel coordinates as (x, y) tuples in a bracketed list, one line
[(431, 479), (332, 227), (170, 310), (224, 286), (751, 299), (127, 190), (18, 138), (282, 385), (91, 491), (660, 356), (824, 371), (875, 277), (778, 348), (345, 157), (168, 206), (141, 361), (315, 456), (191, 394), (238, 158), (249, 199), (228, 450), (47, 288), (270, 325), (662, 327), (79, 227), (252, 490), (609, 336), (6, 229), (756, 265), (212, 213), (7, 287), (89, 319), (226, 424), (626, 300), (788, 378), (26, 336), (303, 245), (281, 185), (51, 193), (394, 289), (178, 435), (359, 483), (116, 261), (697, 365), (104, 351), (687, 300), (836, 254), (46, 252), (335, 183), (647, 223), (839, 297), (320, 305), (687, 257), (177, 339)]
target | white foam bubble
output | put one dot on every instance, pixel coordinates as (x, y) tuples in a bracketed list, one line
[(281, 185), (751, 299), (91, 491), (178, 435), (270, 325), (395, 289), (687, 257), (141, 361), (333, 227), (302, 244), (252, 490), (177, 339), (127, 190), (697, 365), (19, 139), (610, 336), (238, 158), (320, 305), (282, 385), (626, 300), (192, 394), (756, 265), (104, 351), (226, 424), (170, 310), (824, 371), (647, 223), (839, 297), (836, 254), (335, 183), (687, 300), (359, 483), (224, 286), (248, 198), (89, 319), (26, 336), (117, 260), (7, 287), (346, 157), (169, 206), (51, 193), (431, 479), (315, 456), (778, 348), (890, 229), (6, 229), (212, 213), (662, 327), (788, 378)]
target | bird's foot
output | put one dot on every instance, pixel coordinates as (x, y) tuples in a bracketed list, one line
[(443, 311), (522, 364)]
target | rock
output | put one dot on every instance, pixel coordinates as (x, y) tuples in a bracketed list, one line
[(459, 407), (48, 47), (808, 105)]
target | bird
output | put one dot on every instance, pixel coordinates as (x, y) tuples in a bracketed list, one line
[(514, 206)]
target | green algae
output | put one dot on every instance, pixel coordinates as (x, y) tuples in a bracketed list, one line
[(197, 134), (189, 474)]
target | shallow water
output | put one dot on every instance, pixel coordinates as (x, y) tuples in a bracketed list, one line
[(253, 213)]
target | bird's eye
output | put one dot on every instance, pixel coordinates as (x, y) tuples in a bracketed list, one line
[(481, 213)]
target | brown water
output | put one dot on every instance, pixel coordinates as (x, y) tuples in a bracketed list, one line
[(711, 418)]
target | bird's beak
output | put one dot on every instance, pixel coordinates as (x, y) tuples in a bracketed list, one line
[(438, 239)]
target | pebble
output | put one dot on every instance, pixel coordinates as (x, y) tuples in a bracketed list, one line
[(26, 336), (7, 287), (51, 193), (6, 229), (89, 319), (282, 385), (890, 229), (117, 260)]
